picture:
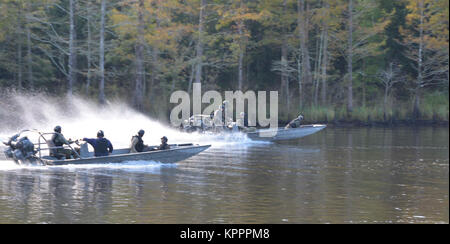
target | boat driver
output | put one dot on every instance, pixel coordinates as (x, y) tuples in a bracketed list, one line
[(164, 145), (295, 123), (59, 141)]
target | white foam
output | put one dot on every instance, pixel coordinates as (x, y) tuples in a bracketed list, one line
[(129, 166), (8, 165), (116, 119)]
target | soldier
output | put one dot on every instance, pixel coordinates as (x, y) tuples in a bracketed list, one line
[(295, 123), (59, 141), (242, 121), (102, 146), (137, 144), (164, 145), (219, 120)]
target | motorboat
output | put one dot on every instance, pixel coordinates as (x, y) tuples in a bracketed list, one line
[(22, 150)]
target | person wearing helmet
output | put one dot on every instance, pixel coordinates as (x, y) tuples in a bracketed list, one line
[(137, 144), (295, 123), (102, 146), (242, 121), (164, 145), (58, 141), (219, 116)]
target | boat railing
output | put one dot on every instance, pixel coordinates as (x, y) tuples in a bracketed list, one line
[(46, 142), (42, 140)]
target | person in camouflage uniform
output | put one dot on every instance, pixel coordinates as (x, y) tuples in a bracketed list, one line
[(58, 140), (295, 123)]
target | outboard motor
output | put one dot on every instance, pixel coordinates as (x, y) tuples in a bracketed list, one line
[(9, 151), (23, 150)]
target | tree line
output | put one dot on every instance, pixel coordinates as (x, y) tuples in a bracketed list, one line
[(331, 60)]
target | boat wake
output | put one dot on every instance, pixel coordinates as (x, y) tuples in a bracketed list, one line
[(80, 118), (131, 166)]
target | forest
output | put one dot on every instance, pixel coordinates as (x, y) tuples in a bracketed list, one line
[(337, 60)]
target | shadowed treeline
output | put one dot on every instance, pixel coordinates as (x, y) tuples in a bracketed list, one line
[(334, 61)]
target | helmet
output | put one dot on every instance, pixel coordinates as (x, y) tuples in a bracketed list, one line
[(57, 129), (242, 114), (141, 133), (23, 138), (224, 104), (100, 133), (300, 117), (164, 138)]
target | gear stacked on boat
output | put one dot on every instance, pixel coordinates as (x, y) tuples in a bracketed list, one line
[(216, 122), (293, 130)]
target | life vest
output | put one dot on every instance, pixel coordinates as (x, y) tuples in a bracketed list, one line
[(101, 147), (56, 139), (139, 145), (294, 123), (164, 146)]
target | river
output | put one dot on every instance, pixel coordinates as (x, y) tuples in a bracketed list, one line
[(339, 175)]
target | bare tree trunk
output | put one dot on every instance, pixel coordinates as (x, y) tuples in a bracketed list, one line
[(350, 58), (154, 78), (385, 101), (191, 78), (155, 73), (89, 40), (29, 61), (139, 49), (288, 96), (303, 34), (102, 53), (386, 90), (241, 70), (317, 70), (363, 82), (72, 54), (241, 58), (324, 64), (199, 48), (19, 49), (241, 52), (363, 85), (284, 63), (416, 110), (29, 58), (299, 78), (299, 59)]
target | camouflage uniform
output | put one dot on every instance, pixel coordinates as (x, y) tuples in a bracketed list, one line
[(58, 141), (294, 123)]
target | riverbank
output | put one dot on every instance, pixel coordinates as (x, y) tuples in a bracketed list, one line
[(393, 123), (432, 112), (390, 123)]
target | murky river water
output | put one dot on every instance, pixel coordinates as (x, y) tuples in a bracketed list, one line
[(359, 175)]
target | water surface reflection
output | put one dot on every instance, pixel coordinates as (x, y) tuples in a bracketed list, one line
[(364, 175)]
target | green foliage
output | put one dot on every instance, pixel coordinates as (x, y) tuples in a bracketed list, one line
[(249, 32), (435, 106)]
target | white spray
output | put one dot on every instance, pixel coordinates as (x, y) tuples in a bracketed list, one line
[(81, 118)]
